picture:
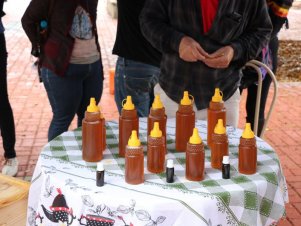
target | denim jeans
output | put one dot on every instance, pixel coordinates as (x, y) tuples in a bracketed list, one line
[(7, 125), (70, 94), (136, 79)]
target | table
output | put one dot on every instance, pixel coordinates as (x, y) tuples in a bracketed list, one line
[(64, 187)]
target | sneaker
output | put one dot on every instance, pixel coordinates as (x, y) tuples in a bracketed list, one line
[(10, 167)]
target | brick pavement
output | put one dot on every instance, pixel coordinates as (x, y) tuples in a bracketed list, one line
[(33, 113)]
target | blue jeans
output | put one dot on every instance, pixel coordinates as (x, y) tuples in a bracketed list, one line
[(70, 95), (135, 79)]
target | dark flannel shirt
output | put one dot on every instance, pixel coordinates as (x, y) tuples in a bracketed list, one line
[(243, 24)]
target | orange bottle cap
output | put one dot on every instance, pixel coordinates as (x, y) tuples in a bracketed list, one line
[(218, 96), (157, 104), (219, 128), (156, 132), (195, 138), (128, 104), (134, 140), (92, 107), (248, 133)]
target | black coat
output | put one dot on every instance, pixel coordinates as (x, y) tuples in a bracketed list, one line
[(58, 47)]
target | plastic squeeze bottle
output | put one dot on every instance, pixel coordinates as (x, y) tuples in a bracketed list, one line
[(128, 121), (134, 160), (215, 111), (195, 157), (185, 121), (157, 114), (219, 145), (247, 152), (156, 150), (93, 133)]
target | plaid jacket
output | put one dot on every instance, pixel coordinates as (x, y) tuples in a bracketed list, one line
[(243, 24), (59, 44)]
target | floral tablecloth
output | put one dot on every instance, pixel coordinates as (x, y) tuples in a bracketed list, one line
[(64, 191)]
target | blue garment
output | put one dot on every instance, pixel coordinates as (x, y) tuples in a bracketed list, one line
[(137, 80), (70, 95)]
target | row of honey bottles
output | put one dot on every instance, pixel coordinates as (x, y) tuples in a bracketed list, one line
[(94, 129), (195, 154)]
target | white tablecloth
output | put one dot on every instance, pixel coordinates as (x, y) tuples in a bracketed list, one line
[(64, 191)]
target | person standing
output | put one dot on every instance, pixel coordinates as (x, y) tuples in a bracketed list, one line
[(71, 65), (137, 67), (7, 125), (205, 43), (278, 11)]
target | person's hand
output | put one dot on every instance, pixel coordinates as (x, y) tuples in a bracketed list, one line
[(191, 51), (220, 58)]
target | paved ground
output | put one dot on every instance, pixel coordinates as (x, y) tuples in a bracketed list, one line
[(33, 113)]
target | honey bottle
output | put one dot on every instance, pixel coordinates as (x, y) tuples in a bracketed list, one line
[(157, 114), (215, 111), (247, 152), (92, 133), (134, 160), (128, 121), (156, 150), (195, 157), (219, 145), (185, 122)]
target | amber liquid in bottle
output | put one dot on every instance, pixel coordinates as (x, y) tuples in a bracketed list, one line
[(247, 156), (219, 148), (128, 121), (185, 121), (134, 165), (215, 111), (156, 154), (195, 162), (92, 135), (104, 137), (157, 115)]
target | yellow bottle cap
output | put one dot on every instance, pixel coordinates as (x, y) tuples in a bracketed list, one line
[(195, 138), (218, 96), (134, 140), (157, 104), (185, 100), (92, 107), (128, 104), (156, 132), (219, 128), (248, 133)]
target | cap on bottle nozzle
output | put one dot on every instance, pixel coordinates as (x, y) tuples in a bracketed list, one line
[(226, 159), (185, 100), (195, 138), (169, 163), (43, 24), (219, 128), (156, 132), (248, 133), (134, 140), (92, 107), (218, 96), (128, 104), (100, 166), (157, 104)]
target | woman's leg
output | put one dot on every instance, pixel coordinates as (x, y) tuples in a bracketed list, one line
[(92, 86), (7, 125)]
